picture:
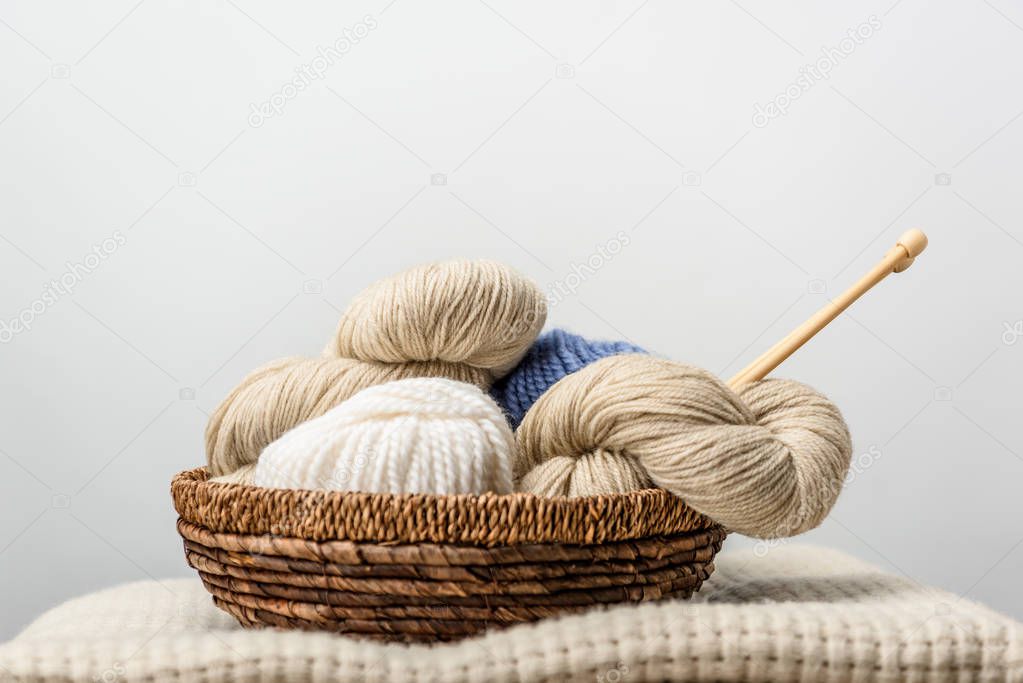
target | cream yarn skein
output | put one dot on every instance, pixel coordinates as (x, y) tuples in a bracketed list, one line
[(284, 393), (768, 462), (469, 321), (422, 435)]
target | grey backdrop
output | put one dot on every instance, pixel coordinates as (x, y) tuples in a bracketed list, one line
[(193, 233)]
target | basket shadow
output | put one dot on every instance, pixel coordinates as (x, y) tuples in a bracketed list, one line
[(837, 588)]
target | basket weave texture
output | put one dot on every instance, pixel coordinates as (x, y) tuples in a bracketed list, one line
[(417, 567)]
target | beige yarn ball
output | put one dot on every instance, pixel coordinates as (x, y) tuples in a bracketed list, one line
[(422, 435), (768, 462), (469, 321), (480, 313)]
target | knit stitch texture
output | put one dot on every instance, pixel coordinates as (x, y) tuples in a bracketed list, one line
[(419, 435), (552, 356), (793, 613)]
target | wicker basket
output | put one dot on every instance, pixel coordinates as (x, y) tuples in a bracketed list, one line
[(428, 568)]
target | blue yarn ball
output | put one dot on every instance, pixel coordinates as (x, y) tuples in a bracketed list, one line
[(552, 356)]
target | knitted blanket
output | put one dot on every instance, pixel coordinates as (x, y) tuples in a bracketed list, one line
[(797, 613)]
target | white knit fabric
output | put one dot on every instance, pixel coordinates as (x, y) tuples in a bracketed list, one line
[(422, 435), (797, 613)]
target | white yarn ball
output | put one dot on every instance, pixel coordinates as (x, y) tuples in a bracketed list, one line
[(420, 435)]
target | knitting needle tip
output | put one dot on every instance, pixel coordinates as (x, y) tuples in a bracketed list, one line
[(912, 242)]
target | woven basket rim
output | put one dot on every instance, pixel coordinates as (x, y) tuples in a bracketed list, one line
[(487, 519)]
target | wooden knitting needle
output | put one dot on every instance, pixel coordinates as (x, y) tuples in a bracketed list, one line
[(899, 258)]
